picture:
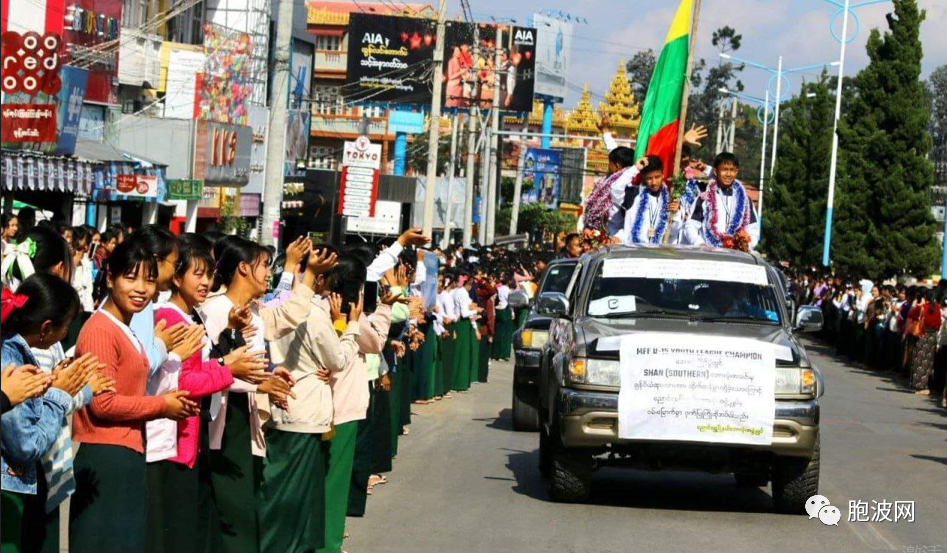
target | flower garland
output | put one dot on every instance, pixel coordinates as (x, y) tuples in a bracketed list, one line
[(738, 222), (600, 201), (691, 192), (640, 214)]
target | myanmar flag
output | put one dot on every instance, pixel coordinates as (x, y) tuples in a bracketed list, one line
[(660, 120)]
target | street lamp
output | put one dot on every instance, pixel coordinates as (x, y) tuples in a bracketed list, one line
[(779, 74), (765, 120), (845, 9)]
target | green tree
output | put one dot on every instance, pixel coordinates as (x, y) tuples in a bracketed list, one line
[(703, 106), (884, 224), (937, 85), (640, 68), (793, 221)]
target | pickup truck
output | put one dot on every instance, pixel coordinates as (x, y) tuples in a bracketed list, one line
[(682, 296), (528, 342)]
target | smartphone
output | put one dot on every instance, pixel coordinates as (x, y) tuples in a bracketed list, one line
[(371, 297)]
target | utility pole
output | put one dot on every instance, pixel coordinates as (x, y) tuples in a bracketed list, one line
[(454, 123), (833, 164), (472, 146), (779, 100), (484, 179), (720, 129), (494, 140), (276, 139), (432, 137), (734, 104), (518, 187), (763, 157)]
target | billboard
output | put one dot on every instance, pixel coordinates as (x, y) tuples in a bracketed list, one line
[(70, 108), (225, 85), (541, 177), (554, 40), (222, 154), (469, 81), (388, 59)]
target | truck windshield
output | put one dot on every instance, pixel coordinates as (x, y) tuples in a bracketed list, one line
[(687, 298)]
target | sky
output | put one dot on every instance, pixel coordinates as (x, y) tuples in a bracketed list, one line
[(796, 29)]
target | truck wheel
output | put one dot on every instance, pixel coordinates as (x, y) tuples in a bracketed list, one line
[(525, 407), (571, 478), (545, 464), (795, 480)]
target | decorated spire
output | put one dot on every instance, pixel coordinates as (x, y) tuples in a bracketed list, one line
[(620, 104), (583, 118)]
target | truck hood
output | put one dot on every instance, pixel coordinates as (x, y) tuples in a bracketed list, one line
[(600, 337)]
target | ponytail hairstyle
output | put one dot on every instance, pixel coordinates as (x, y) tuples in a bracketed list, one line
[(40, 249), (156, 239), (43, 297), (347, 278), (229, 253)]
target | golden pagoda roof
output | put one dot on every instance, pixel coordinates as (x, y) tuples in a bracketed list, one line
[(583, 118), (536, 116), (620, 104)]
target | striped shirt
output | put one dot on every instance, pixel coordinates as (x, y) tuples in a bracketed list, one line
[(57, 462)]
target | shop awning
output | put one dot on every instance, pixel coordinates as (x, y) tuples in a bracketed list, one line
[(115, 162), (27, 170)]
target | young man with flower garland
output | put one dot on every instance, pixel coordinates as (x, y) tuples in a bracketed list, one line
[(650, 208), (724, 215)]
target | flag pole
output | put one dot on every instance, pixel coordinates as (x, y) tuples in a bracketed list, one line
[(682, 120)]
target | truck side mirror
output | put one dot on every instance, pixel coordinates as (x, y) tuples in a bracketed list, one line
[(809, 319), (553, 304), (518, 299)]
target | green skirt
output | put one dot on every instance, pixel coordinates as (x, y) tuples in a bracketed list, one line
[(462, 355), (423, 365), (474, 356), (293, 476), (339, 453), (394, 408), (381, 431), (172, 506), (447, 360), (503, 339), (107, 511), (483, 367), (521, 315), (362, 464), (27, 527), (236, 474)]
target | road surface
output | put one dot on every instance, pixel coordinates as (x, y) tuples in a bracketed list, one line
[(464, 481)]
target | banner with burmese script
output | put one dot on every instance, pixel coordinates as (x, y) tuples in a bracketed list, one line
[(390, 59)]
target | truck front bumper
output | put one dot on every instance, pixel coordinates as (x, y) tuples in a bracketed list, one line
[(590, 419)]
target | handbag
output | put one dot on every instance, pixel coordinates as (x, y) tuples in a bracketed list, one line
[(915, 327)]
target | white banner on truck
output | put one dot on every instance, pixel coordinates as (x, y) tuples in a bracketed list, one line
[(696, 388)]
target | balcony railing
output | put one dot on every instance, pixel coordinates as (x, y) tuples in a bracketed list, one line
[(330, 60), (333, 124)]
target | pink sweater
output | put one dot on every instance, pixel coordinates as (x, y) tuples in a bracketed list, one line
[(200, 378), (350, 396)]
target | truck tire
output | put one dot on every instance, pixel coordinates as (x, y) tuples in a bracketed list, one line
[(571, 478), (525, 408), (545, 462), (795, 480)]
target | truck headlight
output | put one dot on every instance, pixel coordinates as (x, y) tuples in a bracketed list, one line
[(534, 339), (791, 381), (603, 372), (597, 372)]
